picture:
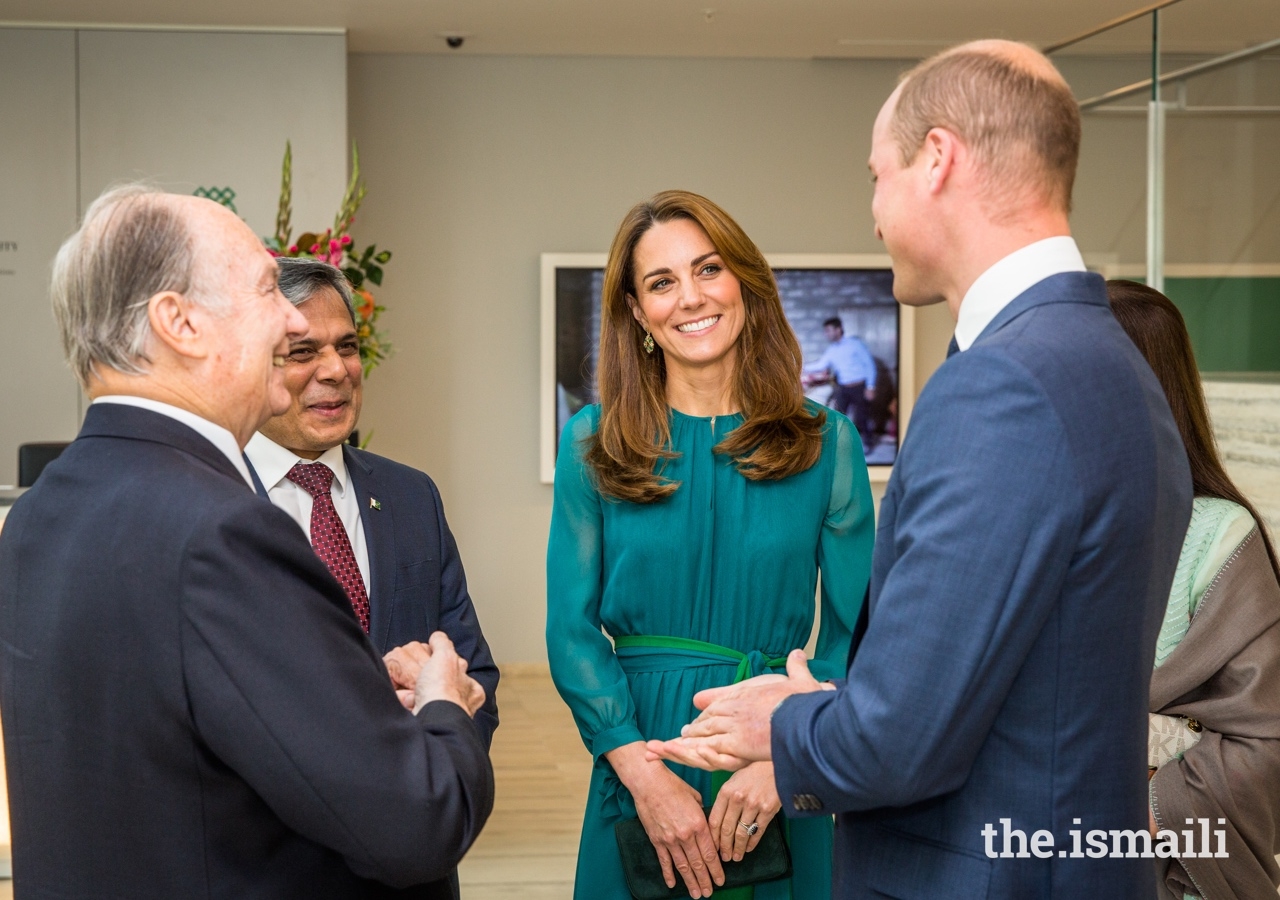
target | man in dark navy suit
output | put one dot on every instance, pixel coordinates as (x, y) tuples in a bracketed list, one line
[(191, 708), (408, 578), (995, 711)]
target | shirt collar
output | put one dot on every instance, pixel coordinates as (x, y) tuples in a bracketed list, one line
[(220, 437), (1001, 284), (273, 462)]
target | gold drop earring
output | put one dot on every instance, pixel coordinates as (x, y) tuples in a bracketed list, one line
[(647, 343)]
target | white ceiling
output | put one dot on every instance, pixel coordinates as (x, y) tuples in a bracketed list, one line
[(745, 28)]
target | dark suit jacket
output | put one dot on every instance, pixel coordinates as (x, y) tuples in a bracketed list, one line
[(191, 709), (1026, 546), (417, 584)]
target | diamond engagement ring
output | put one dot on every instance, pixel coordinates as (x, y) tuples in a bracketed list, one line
[(749, 829)]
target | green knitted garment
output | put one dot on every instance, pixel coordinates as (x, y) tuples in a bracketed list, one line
[(1216, 530)]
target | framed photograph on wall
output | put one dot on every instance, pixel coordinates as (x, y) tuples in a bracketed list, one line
[(858, 343)]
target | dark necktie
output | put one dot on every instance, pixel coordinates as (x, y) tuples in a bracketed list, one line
[(329, 537), (953, 348)]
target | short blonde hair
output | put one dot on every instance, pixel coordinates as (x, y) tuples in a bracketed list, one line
[(1022, 125)]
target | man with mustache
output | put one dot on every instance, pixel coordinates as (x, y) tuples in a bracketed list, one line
[(190, 707), (378, 525)]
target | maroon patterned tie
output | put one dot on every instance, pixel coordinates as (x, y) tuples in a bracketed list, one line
[(329, 537)]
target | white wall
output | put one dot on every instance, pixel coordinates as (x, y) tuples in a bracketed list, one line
[(85, 109), (207, 109), (39, 398)]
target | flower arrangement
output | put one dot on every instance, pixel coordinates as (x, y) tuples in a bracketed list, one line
[(336, 247)]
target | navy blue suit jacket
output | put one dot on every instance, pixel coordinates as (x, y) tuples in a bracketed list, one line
[(416, 581), (1026, 546), (190, 707)]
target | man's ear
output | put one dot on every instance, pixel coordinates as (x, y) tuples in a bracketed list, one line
[(638, 313), (941, 150), (179, 324)]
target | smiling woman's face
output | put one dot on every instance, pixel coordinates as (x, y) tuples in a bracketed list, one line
[(686, 297)]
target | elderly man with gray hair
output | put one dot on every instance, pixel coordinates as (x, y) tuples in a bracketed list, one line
[(190, 707)]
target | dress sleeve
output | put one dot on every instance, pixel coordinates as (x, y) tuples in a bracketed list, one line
[(583, 666), (844, 552)]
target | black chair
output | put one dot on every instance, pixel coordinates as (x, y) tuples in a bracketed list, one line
[(32, 458)]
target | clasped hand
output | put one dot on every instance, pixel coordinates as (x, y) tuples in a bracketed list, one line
[(733, 730), (690, 843), (422, 673)]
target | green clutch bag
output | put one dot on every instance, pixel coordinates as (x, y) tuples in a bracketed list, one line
[(768, 862)]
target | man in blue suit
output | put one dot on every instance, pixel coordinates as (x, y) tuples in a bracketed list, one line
[(403, 573), (990, 738)]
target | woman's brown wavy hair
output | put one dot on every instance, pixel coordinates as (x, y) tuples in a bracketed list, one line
[(1156, 326), (778, 437)]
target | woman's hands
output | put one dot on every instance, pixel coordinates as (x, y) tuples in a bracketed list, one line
[(672, 815), (749, 796)]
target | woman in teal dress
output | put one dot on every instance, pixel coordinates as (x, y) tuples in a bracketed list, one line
[(695, 507)]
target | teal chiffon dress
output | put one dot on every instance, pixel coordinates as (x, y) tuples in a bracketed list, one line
[(724, 561)]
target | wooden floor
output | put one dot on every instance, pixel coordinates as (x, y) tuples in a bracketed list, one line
[(530, 846)]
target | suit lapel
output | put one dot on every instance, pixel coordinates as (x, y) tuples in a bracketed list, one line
[(253, 474), (380, 538)]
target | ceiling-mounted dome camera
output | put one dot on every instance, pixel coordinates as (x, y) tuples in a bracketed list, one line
[(454, 40)]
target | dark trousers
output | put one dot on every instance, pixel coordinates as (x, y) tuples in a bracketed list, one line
[(851, 400)]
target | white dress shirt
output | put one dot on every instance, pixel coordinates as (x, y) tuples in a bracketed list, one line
[(849, 359), (273, 462), (1001, 284), (215, 434)]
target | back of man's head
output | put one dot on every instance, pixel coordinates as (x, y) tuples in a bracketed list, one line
[(1009, 106), (135, 242)]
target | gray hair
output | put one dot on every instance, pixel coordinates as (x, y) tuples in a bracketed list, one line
[(301, 277), (132, 245)]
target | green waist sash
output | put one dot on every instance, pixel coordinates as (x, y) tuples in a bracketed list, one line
[(681, 650)]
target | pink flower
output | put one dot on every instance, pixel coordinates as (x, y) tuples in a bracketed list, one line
[(294, 249), (315, 248), (346, 240)]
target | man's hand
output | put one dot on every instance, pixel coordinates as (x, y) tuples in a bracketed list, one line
[(733, 730), (433, 671), (404, 663)]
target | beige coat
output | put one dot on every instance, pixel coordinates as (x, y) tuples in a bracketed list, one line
[(1226, 674)]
